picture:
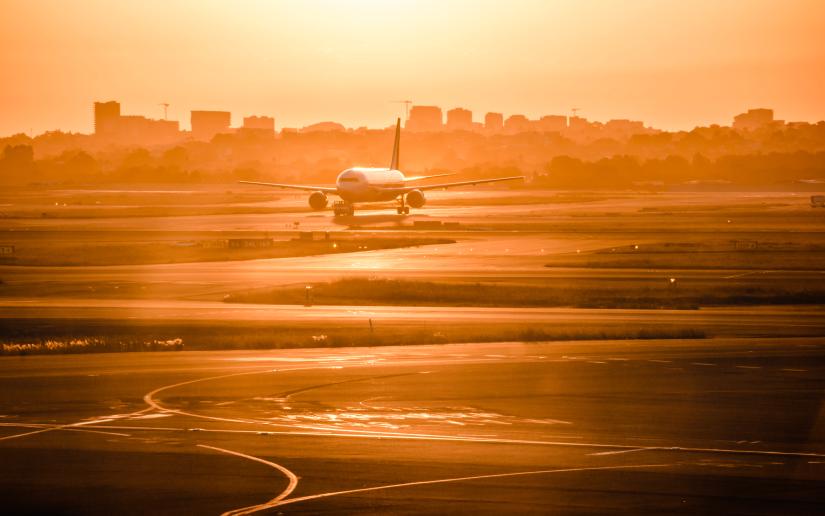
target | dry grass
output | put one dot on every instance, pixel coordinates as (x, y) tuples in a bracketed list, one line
[(90, 336), (567, 293)]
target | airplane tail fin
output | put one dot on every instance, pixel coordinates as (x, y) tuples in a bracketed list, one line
[(395, 148)]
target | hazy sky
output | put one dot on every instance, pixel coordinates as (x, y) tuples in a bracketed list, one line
[(673, 64)]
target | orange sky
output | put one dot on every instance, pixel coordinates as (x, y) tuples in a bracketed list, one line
[(672, 64)]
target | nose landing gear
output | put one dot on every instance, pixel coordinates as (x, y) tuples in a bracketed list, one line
[(403, 209)]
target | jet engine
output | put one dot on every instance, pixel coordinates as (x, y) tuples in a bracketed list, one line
[(318, 200), (416, 198)]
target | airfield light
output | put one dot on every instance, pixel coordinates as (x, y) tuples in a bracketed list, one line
[(672, 281)]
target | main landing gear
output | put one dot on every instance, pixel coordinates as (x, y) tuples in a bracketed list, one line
[(343, 209), (403, 209)]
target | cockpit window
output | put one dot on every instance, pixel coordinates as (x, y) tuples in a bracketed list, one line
[(349, 179)]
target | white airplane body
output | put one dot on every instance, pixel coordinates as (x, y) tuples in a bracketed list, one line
[(369, 184)]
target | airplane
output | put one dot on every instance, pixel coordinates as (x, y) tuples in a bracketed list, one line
[(367, 184)]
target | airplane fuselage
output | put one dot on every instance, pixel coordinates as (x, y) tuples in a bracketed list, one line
[(363, 184)]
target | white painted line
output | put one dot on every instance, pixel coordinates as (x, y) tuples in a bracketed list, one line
[(293, 482), (617, 452), (72, 425), (463, 479)]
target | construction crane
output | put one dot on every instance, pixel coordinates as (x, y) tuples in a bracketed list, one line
[(407, 104), (165, 109)]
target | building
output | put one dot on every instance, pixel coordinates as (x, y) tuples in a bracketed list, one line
[(494, 122), (323, 127), (111, 125), (107, 115), (577, 123), (206, 124), (623, 128), (551, 124), (425, 119), (459, 119), (259, 122), (140, 130), (258, 126), (517, 124), (754, 119)]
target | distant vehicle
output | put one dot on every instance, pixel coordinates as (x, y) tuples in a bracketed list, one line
[(362, 184), (818, 201)]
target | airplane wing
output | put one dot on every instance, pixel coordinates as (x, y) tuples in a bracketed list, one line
[(421, 178), (309, 188), (461, 183)]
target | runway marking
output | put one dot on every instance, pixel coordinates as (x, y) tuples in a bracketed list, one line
[(148, 398), (748, 367), (618, 452), (462, 479), (327, 431), (46, 425), (795, 370), (661, 361), (72, 425), (293, 482), (707, 364), (742, 275)]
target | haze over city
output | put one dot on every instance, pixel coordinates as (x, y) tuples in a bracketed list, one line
[(412, 257), (673, 65)]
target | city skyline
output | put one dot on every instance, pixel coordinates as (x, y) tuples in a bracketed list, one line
[(692, 66), (109, 121)]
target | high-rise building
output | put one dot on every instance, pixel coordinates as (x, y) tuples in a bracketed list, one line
[(259, 125), (132, 129), (623, 128), (206, 124), (493, 122), (425, 119), (259, 122), (323, 127), (577, 123), (753, 119), (551, 124), (140, 130), (459, 119), (517, 124), (107, 115)]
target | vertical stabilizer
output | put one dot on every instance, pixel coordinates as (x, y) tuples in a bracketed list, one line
[(395, 148)]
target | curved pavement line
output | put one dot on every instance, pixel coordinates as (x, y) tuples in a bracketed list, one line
[(293, 482), (327, 431), (463, 479)]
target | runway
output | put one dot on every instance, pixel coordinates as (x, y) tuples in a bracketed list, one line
[(580, 428), (722, 321)]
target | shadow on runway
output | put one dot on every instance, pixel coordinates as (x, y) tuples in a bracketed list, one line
[(366, 220)]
